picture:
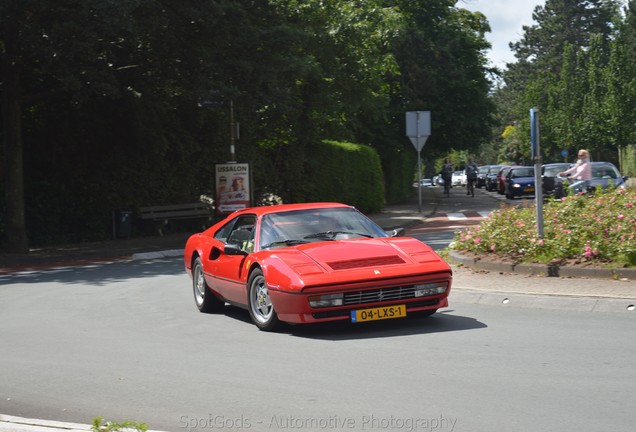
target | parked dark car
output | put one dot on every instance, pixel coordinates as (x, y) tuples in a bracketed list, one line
[(551, 182), (501, 178), (519, 182), (490, 180), (481, 176)]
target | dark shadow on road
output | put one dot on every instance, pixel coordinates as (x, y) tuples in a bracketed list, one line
[(99, 274), (442, 321)]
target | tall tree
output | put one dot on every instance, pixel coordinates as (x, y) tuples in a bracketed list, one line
[(559, 22), (441, 55), (41, 51), (558, 58)]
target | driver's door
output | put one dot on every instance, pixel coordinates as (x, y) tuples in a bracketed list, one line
[(229, 269)]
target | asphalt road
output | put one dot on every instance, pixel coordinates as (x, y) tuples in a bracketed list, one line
[(125, 341)]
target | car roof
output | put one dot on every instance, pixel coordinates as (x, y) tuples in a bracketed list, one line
[(508, 167), (603, 163), (261, 210)]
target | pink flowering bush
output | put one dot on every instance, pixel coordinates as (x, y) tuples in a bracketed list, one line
[(598, 229)]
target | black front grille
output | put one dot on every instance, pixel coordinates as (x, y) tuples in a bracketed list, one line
[(347, 312), (379, 295), (331, 314)]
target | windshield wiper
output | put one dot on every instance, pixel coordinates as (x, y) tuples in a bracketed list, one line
[(289, 242), (330, 235), (327, 235)]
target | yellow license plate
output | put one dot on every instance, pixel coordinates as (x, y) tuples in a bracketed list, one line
[(379, 313), (528, 190)]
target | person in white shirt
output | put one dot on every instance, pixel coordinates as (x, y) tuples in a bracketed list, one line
[(581, 172)]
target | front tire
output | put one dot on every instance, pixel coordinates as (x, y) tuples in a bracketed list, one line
[(204, 298), (260, 304)]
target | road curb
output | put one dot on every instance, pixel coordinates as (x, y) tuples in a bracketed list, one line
[(543, 301), (543, 269), (157, 254), (21, 424)]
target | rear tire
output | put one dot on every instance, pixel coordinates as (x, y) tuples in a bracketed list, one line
[(204, 298)]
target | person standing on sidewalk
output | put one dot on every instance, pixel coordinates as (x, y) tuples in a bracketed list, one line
[(447, 175), (471, 177)]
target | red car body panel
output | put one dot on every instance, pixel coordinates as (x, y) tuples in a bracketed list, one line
[(293, 273)]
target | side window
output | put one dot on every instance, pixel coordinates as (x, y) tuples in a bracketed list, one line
[(224, 232), (241, 233)]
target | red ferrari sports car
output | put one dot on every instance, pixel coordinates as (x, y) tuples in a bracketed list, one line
[(306, 263)]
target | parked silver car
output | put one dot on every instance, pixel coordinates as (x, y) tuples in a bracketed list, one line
[(605, 174)]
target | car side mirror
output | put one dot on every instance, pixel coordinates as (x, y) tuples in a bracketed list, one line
[(232, 249), (397, 232)]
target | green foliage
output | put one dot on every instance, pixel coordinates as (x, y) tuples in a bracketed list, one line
[(628, 161), (104, 99), (441, 57), (346, 172), (574, 66), (598, 229), (99, 425)]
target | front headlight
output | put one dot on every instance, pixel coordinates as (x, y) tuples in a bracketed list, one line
[(430, 289), (516, 185), (326, 300)]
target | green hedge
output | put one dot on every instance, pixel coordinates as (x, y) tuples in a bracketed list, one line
[(345, 172), (398, 167)]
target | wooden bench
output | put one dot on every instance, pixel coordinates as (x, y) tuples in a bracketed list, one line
[(165, 213)]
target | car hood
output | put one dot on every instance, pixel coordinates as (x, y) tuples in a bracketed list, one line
[(351, 261), (522, 180)]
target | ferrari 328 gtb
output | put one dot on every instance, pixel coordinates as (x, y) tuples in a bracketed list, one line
[(307, 263)]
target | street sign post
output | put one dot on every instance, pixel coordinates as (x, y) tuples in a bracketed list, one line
[(536, 156), (418, 129)]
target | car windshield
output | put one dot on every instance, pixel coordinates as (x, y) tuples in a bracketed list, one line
[(604, 172), (305, 226), (553, 171), (522, 172)]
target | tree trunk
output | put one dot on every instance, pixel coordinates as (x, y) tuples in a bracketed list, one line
[(15, 226)]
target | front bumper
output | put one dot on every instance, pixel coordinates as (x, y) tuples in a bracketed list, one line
[(295, 307)]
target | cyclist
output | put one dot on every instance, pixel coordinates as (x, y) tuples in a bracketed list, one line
[(471, 177), (581, 172)]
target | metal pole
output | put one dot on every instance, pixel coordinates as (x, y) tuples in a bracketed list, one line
[(419, 163), (232, 137), (419, 179), (538, 185)]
